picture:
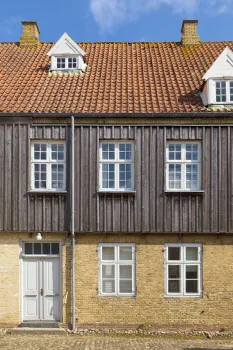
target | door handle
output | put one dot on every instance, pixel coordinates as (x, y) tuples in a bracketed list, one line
[(42, 292)]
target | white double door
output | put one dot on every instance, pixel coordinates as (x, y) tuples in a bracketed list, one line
[(41, 289)]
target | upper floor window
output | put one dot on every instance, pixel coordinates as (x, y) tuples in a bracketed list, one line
[(67, 62), (183, 166), (116, 166), (182, 269), (224, 91), (48, 166)]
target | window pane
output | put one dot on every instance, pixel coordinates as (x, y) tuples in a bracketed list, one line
[(108, 151), (125, 176), (108, 175), (191, 176), (40, 151), (126, 286), (125, 253), (37, 248), (173, 253), (125, 151), (126, 271), (108, 253), (28, 248), (174, 152), (58, 174), (46, 248), (40, 175), (191, 286), (191, 272), (55, 248), (174, 176), (174, 286), (174, 271), (191, 253), (108, 271), (108, 286), (57, 152)]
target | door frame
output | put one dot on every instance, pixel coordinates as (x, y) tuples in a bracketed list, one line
[(21, 272)]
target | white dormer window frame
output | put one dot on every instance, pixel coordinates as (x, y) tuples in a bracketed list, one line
[(67, 63), (223, 91)]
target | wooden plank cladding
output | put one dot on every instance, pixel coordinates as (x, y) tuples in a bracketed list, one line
[(149, 209)]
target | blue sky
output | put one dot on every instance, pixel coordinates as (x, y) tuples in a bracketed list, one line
[(117, 20)]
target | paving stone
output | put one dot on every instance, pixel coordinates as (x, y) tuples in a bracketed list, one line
[(73, 342)]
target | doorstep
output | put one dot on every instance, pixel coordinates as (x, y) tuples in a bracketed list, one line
[(36, 331)]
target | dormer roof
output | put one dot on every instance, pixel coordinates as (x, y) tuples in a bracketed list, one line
[(222, 66), (66, 46)]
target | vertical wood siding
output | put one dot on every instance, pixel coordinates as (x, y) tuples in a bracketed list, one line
[(150, 209), (20, 211)]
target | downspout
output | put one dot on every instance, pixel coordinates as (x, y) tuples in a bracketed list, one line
[(72, 223)]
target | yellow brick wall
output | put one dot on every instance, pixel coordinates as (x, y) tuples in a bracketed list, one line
[(10, 276), (150, 306)]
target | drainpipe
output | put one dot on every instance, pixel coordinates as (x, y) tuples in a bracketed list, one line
[(72, 223)]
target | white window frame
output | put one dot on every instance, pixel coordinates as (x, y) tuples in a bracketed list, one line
[(67, 62), (48, 161), (228, 101), (183, 262), (183, 162), (117, 262), (116, 162)]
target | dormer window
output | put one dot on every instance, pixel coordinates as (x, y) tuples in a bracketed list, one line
[(72, 62), (224, 91), (61, 63), (218, 81), (67, 55), (67, 63)]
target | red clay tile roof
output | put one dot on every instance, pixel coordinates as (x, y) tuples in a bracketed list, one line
[(120, 78)]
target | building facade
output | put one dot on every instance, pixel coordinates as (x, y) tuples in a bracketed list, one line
[(126, 150)]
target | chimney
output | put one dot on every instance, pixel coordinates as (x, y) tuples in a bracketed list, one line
[(189, 33), (30, 36)]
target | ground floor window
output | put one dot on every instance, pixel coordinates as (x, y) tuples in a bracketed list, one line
[(183, 270), (117, 269)]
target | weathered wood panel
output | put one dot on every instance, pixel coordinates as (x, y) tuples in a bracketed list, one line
[(150, 209), (19, 210)]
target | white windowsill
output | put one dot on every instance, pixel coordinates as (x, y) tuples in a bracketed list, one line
[(46, 191), (119, 192), (184, 191)]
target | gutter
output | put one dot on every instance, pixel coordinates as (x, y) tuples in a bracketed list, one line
[(72, 223), (121, 115)]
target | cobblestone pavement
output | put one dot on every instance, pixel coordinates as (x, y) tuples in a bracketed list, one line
[(32, 342)]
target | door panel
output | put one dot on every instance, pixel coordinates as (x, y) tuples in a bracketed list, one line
[(31, 289), (51, 279)]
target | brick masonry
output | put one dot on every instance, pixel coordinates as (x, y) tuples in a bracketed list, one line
[(149, 306)]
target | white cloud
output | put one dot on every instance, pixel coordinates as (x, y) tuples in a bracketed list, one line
[(8, 24), (111, 13)]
